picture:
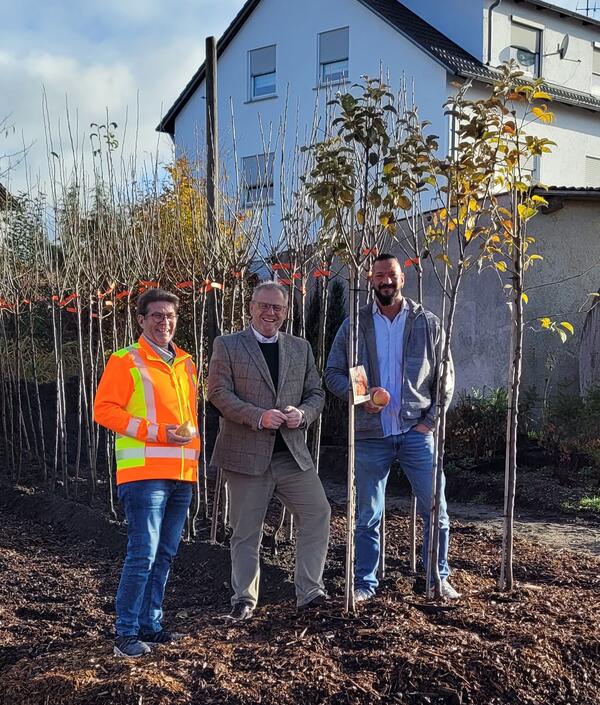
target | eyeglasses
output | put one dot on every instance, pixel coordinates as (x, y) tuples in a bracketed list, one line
[(277, 308), (160, 317)]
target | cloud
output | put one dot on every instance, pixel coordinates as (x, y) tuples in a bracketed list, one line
[(130, 59)]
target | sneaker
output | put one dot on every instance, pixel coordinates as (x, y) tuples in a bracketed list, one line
[(130, 647), (448, 592), (240, 612), (320, 600), (362, 595), (161, 637)]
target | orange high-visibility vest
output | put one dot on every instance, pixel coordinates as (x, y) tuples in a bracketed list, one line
[(139, 394)]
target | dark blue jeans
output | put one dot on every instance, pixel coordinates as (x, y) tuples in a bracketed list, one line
[(414, 452), (156, 512)]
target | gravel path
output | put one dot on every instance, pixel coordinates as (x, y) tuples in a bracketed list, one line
[(572, 534)]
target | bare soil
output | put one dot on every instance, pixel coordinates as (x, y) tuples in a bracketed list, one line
[(59, 567)]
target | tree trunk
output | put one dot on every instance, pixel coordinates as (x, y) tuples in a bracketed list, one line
[(353, 281), (516, 358)]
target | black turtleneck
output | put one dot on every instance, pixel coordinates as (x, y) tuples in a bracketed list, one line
[(270, 352)]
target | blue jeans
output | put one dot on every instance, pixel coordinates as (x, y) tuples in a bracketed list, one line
[(156, 511), (414, 452)]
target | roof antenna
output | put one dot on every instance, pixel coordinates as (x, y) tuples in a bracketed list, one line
[(585, 7)]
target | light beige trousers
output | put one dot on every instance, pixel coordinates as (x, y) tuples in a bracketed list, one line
[(301, 492)]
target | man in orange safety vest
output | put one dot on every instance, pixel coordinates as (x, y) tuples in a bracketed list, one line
[(148, 397)]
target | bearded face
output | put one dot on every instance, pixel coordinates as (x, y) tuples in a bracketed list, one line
[(387, 281)]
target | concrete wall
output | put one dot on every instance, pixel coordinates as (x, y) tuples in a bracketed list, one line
[(569, 241)]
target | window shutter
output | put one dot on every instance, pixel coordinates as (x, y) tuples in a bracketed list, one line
[(262, 61), (524, 37), (592, 171), (596, 62), (333, 46)]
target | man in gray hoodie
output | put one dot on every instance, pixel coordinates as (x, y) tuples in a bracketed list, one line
[(398, 342)]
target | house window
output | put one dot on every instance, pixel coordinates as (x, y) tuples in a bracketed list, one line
[(333, 56), (531, 168), (262, 72), (592, 171), (525, 48), (257, 174), (596, 70)]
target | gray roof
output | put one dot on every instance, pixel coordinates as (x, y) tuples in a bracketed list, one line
[(447, 53), (573, 192)]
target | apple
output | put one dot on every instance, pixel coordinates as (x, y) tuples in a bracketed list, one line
[(380, 397), (186, 430)]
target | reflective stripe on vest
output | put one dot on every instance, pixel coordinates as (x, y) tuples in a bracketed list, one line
[(133, 427), (170, 452), (146, 384)]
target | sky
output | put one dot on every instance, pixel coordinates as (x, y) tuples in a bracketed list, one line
[(83, 58)]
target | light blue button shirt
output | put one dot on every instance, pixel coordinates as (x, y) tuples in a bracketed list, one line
[(389, 338)]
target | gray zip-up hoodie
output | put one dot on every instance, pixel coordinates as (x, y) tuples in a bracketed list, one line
[(421, 337)]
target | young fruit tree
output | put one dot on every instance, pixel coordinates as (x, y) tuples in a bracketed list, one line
[(359, 209)]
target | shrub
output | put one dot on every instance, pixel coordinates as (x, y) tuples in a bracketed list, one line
[(571, 434), (477, 423)]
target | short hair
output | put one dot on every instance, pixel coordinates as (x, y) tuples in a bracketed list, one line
[(270, 285), (385, 256), (151, 296)]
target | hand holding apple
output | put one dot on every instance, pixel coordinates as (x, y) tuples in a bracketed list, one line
[(380, 396)]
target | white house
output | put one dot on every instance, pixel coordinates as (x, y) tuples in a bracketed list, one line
[(281, 52)]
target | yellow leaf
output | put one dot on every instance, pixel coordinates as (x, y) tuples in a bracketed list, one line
[(468, 235), (526, 212), (525, 298), (443, 214), (545, 322), (500, 266), (568, 326), (360, 216), (445, 259), (543, 114), (473, 205), (535, 257), (539, 199), (541, 95)]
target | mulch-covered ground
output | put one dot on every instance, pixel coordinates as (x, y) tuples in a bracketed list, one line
[(539, 645)]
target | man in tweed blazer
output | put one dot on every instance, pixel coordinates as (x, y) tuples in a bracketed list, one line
[(266, 386)]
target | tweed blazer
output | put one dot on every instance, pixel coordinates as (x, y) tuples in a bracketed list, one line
[(241, 388)]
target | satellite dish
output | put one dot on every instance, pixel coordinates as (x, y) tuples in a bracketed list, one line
[(564, 45)]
